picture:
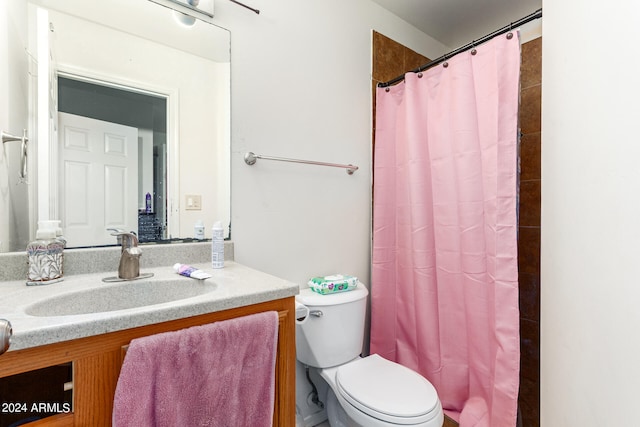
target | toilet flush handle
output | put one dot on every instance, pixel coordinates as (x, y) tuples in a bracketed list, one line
[(316, 313), (302, 313)]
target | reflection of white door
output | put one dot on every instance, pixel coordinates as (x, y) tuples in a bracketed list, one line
[(99, 179)]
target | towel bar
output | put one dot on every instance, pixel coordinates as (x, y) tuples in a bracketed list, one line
[(251, 158), (7, 137)]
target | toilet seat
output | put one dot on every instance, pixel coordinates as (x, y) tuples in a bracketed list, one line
[(387, 391)]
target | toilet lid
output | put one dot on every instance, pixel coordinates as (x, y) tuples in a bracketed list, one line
[(387, 390)]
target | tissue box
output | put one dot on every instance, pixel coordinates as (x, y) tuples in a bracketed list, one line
[(332, 284)]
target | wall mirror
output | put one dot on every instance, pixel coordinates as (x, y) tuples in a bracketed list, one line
[(132, 120)]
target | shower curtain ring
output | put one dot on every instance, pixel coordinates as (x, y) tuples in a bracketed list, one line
[(473, 48), (419, 73), (510, 34), (445, 64)]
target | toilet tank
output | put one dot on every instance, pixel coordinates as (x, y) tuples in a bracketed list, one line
[(333, 331)]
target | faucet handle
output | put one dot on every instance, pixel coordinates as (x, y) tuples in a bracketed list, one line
[(118, 233), (126, 239)]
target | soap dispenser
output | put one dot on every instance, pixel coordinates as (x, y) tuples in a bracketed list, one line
[(44, 258), (55, 226)]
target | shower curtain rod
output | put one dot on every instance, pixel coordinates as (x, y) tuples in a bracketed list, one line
[(535, 15)]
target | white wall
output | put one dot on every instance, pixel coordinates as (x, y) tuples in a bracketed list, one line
[(301, 88), (590, 305)]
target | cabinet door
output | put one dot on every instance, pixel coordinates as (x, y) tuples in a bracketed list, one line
[(95, 380), (36, 395)]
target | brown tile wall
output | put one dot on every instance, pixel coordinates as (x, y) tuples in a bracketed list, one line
[(391, 59), (529, 232)]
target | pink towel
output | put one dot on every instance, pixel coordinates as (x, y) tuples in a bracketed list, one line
[(220, 374)]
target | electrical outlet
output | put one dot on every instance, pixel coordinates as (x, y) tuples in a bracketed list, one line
[(193, 202)]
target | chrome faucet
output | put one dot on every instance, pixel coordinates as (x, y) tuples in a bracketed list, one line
[(129, 267)]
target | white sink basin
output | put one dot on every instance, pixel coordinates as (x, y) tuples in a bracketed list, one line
[(120, 296)]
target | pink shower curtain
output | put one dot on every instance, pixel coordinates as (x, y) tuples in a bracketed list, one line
[(444, 292)]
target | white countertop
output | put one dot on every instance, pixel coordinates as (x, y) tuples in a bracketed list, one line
[(233, 286)]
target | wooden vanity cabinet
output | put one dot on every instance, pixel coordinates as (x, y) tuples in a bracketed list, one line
[(97, 361)]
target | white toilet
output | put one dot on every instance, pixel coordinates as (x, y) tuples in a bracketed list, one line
[(363, 392)]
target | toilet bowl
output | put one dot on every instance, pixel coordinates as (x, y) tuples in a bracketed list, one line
[(376, 392), (363, 391)]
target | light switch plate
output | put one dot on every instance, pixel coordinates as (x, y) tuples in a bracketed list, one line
[(193, 202)]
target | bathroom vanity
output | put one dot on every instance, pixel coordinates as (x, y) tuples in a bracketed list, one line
[(93, 343)]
